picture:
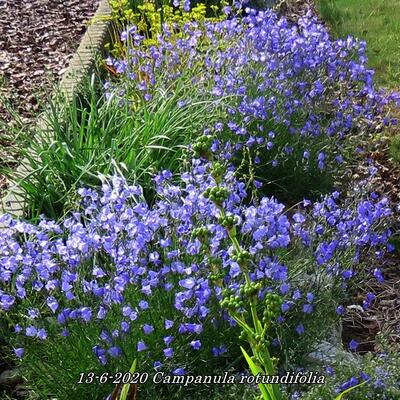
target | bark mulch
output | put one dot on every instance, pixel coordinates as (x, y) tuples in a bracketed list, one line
[(37, 40)]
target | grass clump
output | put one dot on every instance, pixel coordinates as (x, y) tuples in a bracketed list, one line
[(98, 134)]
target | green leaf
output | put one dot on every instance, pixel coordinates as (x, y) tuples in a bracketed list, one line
[(265, 390), (126, 386), (340, 397)]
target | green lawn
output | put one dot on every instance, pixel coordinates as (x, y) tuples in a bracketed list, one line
[(375, 21)]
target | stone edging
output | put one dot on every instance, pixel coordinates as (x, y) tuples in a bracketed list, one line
[(97, 33)]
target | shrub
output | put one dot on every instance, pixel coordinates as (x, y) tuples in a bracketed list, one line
[(150, 17)]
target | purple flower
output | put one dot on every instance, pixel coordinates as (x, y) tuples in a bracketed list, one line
[(234, 270), (299, 218), (348, 274), (310, 297), (115, 351), (219, 351), (194, 328), (179, 371), (300, 329), (147, 329), (101, 354), (19, 352), (353, 381), (52, 303), (168, 352), (364, 376), (340, 310), (98, 272), (368, 300), (187, 283), (157, 365), (125, 327), (31, 331), (86, 314), (143, 304), (6, 301), (168, 324), (33, 313), (308, 308), (353, 344), (168, 340), (296, 295), (378, 275), (329, 371), (196, 344), (42, 334), (284, 288), (141, 346)]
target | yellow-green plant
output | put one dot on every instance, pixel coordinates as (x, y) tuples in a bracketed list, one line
[(149, 17)]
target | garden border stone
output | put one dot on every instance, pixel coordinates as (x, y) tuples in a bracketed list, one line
[(82, 62)]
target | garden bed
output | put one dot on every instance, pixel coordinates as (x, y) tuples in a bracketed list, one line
[(204, 206)]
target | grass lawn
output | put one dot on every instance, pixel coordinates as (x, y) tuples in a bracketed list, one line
[(375, 21)]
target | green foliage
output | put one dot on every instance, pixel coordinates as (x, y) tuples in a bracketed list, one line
[(330, 12), (127, 386), (254, 329), (291, 179)]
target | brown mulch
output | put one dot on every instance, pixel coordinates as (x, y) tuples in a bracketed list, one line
[(37, 39)]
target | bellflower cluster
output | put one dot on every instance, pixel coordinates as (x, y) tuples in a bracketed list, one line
[(286, 91), (107, 265)]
